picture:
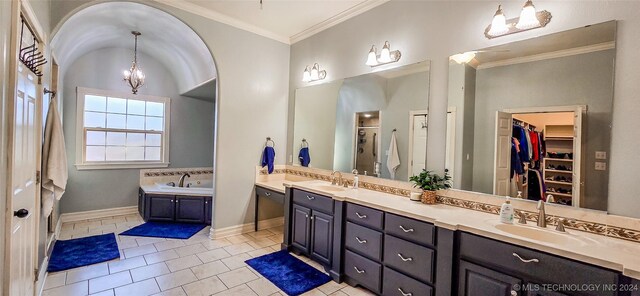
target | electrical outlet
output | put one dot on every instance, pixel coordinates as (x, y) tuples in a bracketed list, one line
[(601, 155), (601, 166)]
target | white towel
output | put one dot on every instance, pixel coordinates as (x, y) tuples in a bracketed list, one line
[(393, 161), (54, 160)]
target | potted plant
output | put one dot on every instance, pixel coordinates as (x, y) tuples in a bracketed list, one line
[(430, 182)]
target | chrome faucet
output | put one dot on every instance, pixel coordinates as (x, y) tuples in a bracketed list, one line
[(542, 216), (181, 181), (336, 181)]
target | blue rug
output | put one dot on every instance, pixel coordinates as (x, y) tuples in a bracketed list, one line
[(288, 273), (165, 229), (78, 252)]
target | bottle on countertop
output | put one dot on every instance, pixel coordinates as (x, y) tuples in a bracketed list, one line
[(506, 212)]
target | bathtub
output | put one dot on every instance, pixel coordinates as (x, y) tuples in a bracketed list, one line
[(191, 187)]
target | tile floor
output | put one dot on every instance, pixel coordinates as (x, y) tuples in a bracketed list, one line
[(169, 267)]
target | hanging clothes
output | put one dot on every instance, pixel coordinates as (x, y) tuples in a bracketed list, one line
[(516, 164), (520, 134), (535, 145), (536, 189)]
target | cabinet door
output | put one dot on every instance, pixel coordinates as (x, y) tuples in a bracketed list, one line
[(141, 203), (208, 210), (301, 229), (190, 209), (321, 236), (160, 207), (479, 281)]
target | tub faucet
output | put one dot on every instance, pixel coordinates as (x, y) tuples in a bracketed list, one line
[(542, 216), (181, 181)]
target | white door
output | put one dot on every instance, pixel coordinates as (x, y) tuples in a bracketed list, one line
[(24, 184), (419, 145), (501, 178)]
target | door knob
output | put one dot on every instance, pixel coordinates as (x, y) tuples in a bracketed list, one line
[(21, 213)]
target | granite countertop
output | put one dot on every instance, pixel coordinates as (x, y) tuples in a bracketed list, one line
[(598, 250)]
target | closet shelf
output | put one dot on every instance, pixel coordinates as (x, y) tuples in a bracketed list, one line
[(559, 194), (558, 139), (558, 159), (558, 182), (558, 171)]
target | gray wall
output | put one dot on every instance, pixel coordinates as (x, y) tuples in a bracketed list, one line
[(462, 81), (252, 83), (191, 132), (584, 79), (434, 30)]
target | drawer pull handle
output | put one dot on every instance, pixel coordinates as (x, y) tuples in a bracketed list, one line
[(406, 230), (358, 270), (404, 293), (362, 241), (267, 194), (361, 216), (405, 259), (310, 197), (526, 260)]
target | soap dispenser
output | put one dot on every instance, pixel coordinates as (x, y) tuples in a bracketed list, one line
[(506, 212), (355, 178)]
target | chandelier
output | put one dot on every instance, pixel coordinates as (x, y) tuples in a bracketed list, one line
[(134, 76)]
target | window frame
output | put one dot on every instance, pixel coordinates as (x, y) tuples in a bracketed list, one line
[(81, 131)]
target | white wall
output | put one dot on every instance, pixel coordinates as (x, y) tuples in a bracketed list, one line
[(434, 30), (253, 95)]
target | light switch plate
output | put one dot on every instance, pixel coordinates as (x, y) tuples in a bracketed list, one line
[(601, 155), (601, 166)]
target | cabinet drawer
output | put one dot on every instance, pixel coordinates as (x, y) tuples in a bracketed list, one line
[(547, 269), (313, 201), (362, 270), (410, 258), (410, 229), (397, 284), (270, 194), (365, 216), (364, 241)]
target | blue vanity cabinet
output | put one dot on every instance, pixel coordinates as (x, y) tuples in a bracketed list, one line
[(175, 208)]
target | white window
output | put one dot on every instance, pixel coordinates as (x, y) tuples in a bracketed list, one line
[(118, 130)]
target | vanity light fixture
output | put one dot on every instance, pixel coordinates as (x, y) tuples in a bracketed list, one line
[(386, 55), (529, 19), (134, 76), (314, 74)]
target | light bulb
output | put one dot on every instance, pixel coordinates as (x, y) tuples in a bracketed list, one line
[(306, 75), (528, 18), (499, 23), (126, 73), (385, 54), (314, 72), (372, 60)]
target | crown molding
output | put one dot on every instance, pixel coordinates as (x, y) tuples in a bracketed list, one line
[(225, 19), (339, 18), (550, 55)]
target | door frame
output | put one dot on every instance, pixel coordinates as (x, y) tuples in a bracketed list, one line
[(20, 9), (577, 143), (449, 146)]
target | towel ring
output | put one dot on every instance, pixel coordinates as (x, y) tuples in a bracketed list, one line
[(273, 144), (394, 130), (305, 144)]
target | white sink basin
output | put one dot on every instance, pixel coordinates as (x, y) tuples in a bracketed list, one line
[(331, 188), (539, 234)]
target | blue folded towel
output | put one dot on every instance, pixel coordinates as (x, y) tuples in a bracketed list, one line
[(304, 157), (268, 156)]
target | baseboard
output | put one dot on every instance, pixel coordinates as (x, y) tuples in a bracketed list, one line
[(245, 228), (96, 214)]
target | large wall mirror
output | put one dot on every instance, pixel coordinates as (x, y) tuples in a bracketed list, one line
[(534, 117), (375, 123)]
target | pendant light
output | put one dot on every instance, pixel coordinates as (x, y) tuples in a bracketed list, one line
[(134, 76), (528, 18), (499, 23), (372, 59)]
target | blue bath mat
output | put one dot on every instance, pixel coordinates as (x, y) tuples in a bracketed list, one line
[(165, 229), (78, 252), (288, 273)]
